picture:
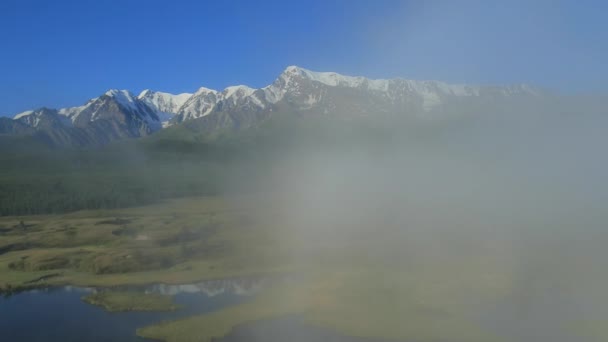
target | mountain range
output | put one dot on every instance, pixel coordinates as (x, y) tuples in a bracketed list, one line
[(120, 114)]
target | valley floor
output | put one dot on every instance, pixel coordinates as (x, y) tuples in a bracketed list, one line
[(365, 285)]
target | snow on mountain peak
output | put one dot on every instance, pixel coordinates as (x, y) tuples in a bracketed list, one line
[(123, 97), (328, 78), (144, 93), (204, 90), (292, 68), (165, 102), (22, 114), (430, 93), (199, 104), (165, 105), (118, 92), (238, 90)]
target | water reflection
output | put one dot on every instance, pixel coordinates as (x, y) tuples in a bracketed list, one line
[(211, 288), (59, 314)]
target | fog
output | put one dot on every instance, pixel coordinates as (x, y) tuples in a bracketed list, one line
[(522, 193)]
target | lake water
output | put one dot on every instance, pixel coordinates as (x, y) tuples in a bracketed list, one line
[(59, 314)]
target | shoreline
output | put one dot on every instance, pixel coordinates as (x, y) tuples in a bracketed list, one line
[(17, 289)]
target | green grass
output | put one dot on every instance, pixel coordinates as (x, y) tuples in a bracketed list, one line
[(176, 241), (116, 301)]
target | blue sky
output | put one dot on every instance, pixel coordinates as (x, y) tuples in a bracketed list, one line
[(61, 53)]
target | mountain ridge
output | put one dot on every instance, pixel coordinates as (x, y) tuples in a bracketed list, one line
[(241, 106)]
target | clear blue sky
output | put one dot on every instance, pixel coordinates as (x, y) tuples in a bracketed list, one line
[(61, 53)]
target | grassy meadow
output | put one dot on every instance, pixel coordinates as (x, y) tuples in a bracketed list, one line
[(177, 241), (186, 240)]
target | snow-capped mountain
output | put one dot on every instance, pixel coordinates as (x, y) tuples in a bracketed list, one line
[(303, 89), (43, 117), (296, 89), (164, 104), (201, 103)]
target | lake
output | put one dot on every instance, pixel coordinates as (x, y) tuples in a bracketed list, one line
[(59, 314)]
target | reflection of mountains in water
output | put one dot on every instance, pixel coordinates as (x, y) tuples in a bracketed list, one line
[(211, 288)]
